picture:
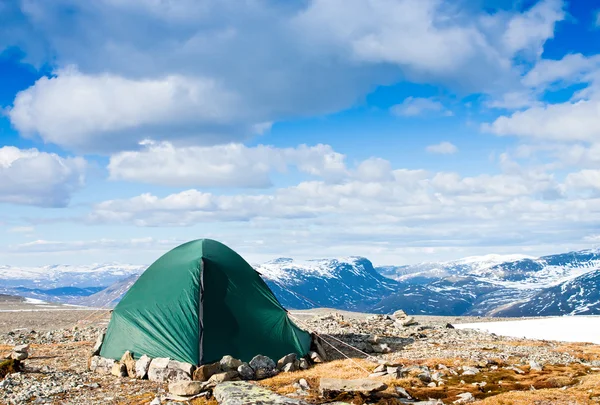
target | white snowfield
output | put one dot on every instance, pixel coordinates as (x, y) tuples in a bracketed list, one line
[(565, 328)]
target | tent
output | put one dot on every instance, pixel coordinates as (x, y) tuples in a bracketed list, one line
[(197, 303)]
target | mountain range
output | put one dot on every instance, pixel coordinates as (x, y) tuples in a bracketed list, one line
[(492, 285)]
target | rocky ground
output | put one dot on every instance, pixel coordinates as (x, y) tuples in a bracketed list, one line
[(423, 361)]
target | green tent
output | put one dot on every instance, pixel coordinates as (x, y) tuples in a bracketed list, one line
[(197, 303)]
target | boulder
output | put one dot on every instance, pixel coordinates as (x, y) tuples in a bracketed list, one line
[(164, 369), (187, 388), (19, 356), (119, 370), (245, 393), (228, 363), (101, 365), (263, 367), (303, 364), (129, 363), (535, 366), (318, 346), (314, 356), (21, 348), (399, 314), (222, 377), (289, 367), (205, 371), (408, 321), (290, 358), (141, 367), (332, 387), (303, 384), (393, 371), (378, 374), (464, 398), (403, 393), (246, 372), (381, 348), (467, 370), (98, 344), (380, 368)]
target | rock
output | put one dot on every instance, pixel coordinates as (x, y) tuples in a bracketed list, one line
[(437, 376), (98, 344), (303, 364), (245, 393), (141, 367), (432, 385), (409, 321), (303, 384), (424, 376), (449, 326), (129, 363), (393, 371), (464, 398), (331, 387), (19, 356), (314, 356), (289, 367), (467, 370), (534, 366), (187, 388), (379, 374), (222, 377), (119, 370), (515, 369), (246, 372), (290, 358), (373, 339), (263, 367), (228, 363), (316, 343), (21, 349), (164, 369), (380, 368), (381, 348), (101, 365), (205, 371), (399, 314), (403, 393)]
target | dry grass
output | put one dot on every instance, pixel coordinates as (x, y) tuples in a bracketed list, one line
[(583, 351)]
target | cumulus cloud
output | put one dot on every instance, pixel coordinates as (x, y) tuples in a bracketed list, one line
[(192, 72), (442, 148), (230, 165), (571, 68), (412, 106), (31, 177)]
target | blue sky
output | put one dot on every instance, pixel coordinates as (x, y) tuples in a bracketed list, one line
[(399, 130)]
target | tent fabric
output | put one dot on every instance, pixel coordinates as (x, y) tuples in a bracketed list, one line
[(197, 303)]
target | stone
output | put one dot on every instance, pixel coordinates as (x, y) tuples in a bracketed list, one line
[(303, 384), (380, 368), (432, 385), (101, 365), (129, 363), (515, 369), (245, 393), (19, 356), (464, 398), (379, 374), (403, 393), (381, 348), (314, 356), (373, 339), (263, 367), (409, 321), (393, 371), (437, 376), (163, 369), (332, 387), (141, 367), (289, 367), (467, 370), (205, 371), (316, 343), (119, 370), (155, 401), (535, 366), (98, 344), (303, 364), (290, 358), (21, 349), (187, 388), (246, 372), (424, 376), (222, 377), (399, 314), (228, 363)]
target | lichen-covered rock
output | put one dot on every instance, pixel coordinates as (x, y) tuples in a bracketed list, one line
[(164, 369), (141, 367), (229, 363), (245, 393), (205, 371), (245, 371), (119, 370), (263, 366), (332, 387)]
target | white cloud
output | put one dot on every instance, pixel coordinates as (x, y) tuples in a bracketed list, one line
[(414, 106), (197, 76), (442, 148), (570, 69), (230, 165), (21, 229), (53, 246), (31, 177), (584, 180)]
